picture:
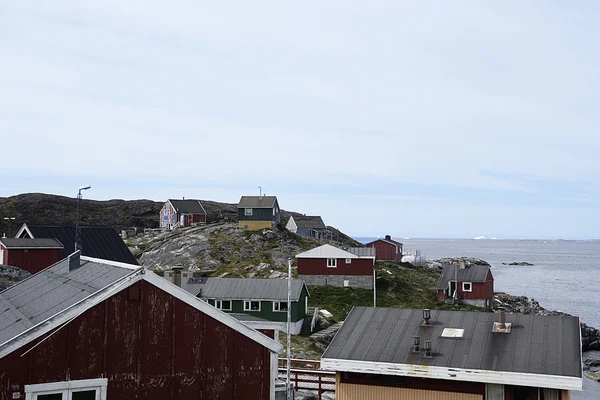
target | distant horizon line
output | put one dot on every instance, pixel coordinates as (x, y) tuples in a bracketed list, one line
[(478, 238)]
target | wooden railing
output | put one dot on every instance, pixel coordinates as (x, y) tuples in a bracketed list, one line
[(306, 374)]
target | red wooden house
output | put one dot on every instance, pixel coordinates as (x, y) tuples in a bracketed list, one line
[(95, 329), (467, 284), (387, 249), (181, 213), (31, 255), (329, 265)]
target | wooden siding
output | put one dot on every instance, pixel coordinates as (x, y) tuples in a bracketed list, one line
[(318, 266), (362, 392), (255, 225), (386, 251), (258, 214), (266, 311), (149, 345), (31, 260)]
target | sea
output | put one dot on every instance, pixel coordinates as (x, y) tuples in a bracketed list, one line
[(565, 274)]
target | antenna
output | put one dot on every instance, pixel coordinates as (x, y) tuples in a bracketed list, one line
[(77, 227)]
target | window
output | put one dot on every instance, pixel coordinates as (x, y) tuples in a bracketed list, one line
[(247, 211), (88, 389), (346, 283), (224, 305), (467, 287), (280, 306), (250, 305), (331, 263), (348, 260), (211, 302)]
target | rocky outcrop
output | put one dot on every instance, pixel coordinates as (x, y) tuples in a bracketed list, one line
[(442, 262), (590, 337), (11, 275), (521, 263)]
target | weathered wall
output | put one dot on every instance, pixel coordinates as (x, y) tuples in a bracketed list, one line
[(318, 266), (31, 260), (386, 251), (255, 225), (149, 345), (355, 281)]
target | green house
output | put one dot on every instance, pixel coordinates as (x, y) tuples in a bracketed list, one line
[(258, 212), (263, 298)]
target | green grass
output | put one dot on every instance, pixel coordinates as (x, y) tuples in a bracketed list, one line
[(404, 286)]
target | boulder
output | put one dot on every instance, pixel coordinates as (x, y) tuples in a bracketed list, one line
[(593, 375)]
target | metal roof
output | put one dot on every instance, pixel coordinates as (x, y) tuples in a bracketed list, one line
[(28, 243), (188, 206), (96, 241), (308, 222), (257, 202), (471, 273), (329, 251), (247, 317), (53, 290), (389, 241), (547, 345), (242, 289), (363, 251)]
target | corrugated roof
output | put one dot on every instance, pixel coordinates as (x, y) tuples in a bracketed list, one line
[(52, 291), (472, 273), (257, 202), (243, 289), (28, 243), (363, 251), (547, 345), (97, 241), (308, 222), (188, 206), (327, 251)]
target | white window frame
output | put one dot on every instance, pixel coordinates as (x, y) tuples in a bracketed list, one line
[(219, 305), (332, 264), (66, 388), (248, 305), (248, 211), (348, 261), (277, 306), (470, 287)]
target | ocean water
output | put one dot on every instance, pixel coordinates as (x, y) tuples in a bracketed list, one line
[(565, 275)]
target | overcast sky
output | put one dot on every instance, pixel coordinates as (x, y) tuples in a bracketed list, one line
[(417, 119)]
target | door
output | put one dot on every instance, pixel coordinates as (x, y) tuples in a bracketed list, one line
[(452, 289), (1, 255)]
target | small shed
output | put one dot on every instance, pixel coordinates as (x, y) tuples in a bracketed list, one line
[(95, 329), (328, 265), (387, 249), (393, 353), (181, 213), (31, 255), (308, 226), (466, 283), (258, 212)]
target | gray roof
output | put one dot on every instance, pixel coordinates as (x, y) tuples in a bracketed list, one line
[(257, 202), (52, 291), (242, 289), (547, 345), (247, 317), (188, 206), (309, 222), (471, 273), (28, 243), (362, 251)]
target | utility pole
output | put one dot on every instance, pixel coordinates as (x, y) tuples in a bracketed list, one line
[(289, 329), (9, 219), (77, 227)]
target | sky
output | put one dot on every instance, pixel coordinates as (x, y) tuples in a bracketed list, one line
[(415, 119)]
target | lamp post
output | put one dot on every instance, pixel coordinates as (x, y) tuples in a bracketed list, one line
[(289, 330), (9, 219), (77, 227)]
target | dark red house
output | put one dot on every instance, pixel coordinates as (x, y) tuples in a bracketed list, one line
[(181, 213), (31, 255), (329, 265), (93, 329), (387, 249), (473, 284)]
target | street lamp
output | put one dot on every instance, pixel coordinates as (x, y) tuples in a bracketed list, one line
[(77, 227), (9, 219)]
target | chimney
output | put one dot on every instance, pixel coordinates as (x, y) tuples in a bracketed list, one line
[(177, 275), (461, 264), (388, 237), (501, 326), (74, 261), (183, 197)]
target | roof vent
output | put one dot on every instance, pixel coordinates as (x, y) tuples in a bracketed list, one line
[(426, 317), (427, 350), (416, 345), (501, 326), (388, 237)]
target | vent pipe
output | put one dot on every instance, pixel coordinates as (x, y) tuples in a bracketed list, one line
[(501, 320), (428, 349), (416, 344), (177, 275), (426, 317), (462, 264)]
